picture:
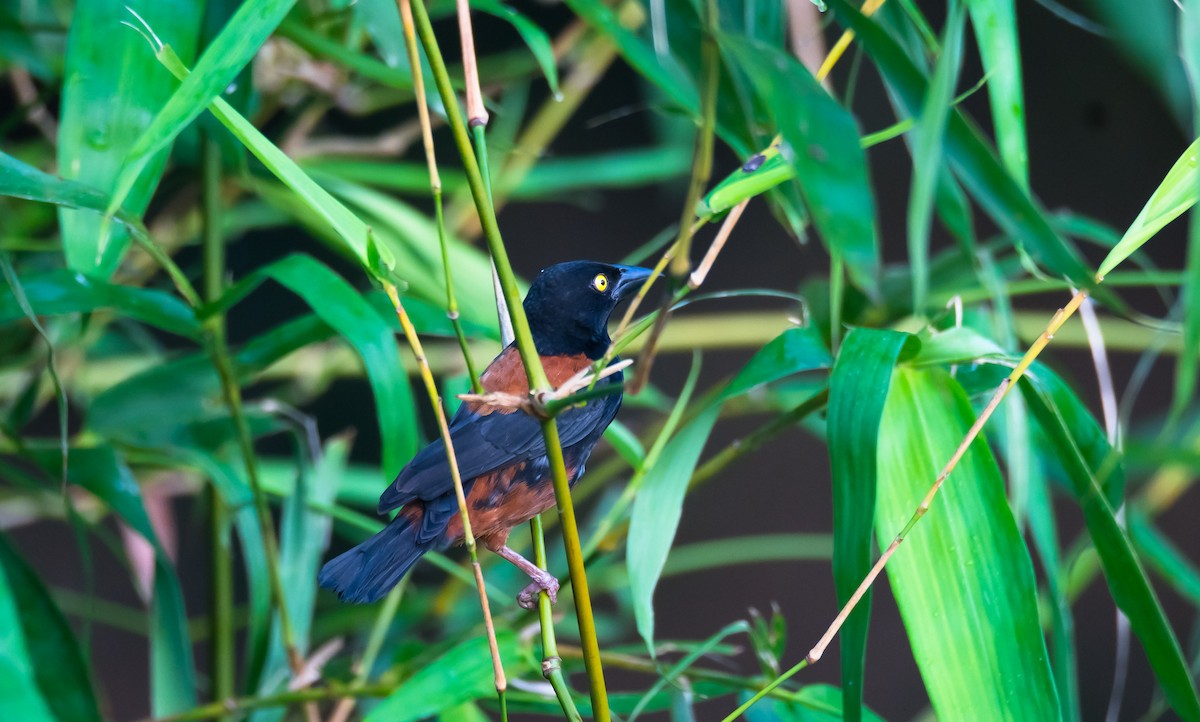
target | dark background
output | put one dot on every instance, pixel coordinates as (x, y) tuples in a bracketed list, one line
[(1100, 140)]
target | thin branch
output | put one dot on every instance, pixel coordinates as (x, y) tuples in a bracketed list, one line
[(435, 400), (435, 186), (532, 363)]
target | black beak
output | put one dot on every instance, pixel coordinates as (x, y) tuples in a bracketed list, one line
[(632, 278)]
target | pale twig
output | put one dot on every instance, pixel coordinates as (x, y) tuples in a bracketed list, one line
[(710, 257), (435, 400), (476, 112), (539, 404)]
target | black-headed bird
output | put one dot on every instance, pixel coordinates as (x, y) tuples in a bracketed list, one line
[(501, 452)]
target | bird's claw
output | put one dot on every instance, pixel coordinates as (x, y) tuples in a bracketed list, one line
[(528, 598)]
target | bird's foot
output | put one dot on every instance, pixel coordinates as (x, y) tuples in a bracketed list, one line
[(528, 598)]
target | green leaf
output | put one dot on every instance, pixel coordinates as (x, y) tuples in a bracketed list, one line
[(822, 145), (303, 536), (963, 579), (793, 351), (54, 653), (659, 505), (1127, 581), (1188, 367), (663, 71), (534, 37), (974, 162), (958, 345), (927, 152), (64, 292), (461, 675), (20, 698), (349, 229), (221, 62), (337, 303), (172, 676), (814, 703), (1166, 559), (858, 389), (111, 89), (995, 23), (1177, 193)]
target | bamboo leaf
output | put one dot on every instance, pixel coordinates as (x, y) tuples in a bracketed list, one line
[(659, 505), (858, 389), (1127, 581), (927, 152), (337, 303), (1177, 193), (54, 654), (349, 229), (822, 145), (967, 555), (793, 351), (974, 162), (111, 89), (172, 676), (303, 536), (995, 23), (63, 292), (221, 62), (535, 38), (20, 698), (462, 674)]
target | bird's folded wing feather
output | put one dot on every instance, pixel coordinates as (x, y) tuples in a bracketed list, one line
[(484, 442)]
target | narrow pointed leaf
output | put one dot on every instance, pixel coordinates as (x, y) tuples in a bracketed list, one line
[(1126, 578), (112, 88), (461, 675), (54, 652), (822, 145), (995, 23), (221, 62), (20, 698), (966, 555), (340, 306), (927, 152), (974, 162), (858, 389)]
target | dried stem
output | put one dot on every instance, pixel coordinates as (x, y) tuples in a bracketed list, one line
[(435, 400), (435, 185)]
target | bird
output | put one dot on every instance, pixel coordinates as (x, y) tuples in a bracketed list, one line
[(500, 450)]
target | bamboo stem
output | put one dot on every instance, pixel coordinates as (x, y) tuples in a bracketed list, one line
[(435, 187), (435, 400), (532, 363), (221, 628)]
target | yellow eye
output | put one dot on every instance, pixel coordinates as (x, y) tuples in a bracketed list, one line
[(600, 282)]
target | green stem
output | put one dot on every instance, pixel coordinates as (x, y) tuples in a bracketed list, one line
[(221, 631), (284, 699), (551, 662), (219, 352), (451, 301), (532, 363)]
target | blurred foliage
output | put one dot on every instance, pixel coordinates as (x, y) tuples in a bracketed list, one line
[(150, 141)]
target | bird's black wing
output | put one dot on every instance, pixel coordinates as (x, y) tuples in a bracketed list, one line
[(486, 442)]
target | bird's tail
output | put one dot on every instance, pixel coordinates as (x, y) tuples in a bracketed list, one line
[(369, 571)]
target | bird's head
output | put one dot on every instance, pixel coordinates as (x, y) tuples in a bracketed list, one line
[(569, 305)]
